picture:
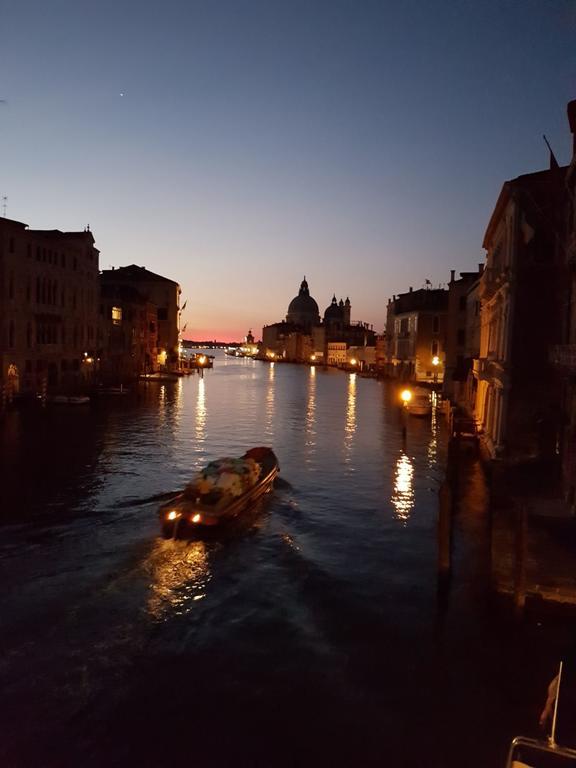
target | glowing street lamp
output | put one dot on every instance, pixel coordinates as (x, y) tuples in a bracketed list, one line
[(435, 363), (406, 396), (353, 361)]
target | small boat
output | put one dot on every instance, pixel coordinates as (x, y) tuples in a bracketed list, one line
[(419, 403), (68, 399), (526, 752), (113, 391), (220, 493)]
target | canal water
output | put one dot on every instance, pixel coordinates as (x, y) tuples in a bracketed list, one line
[(314, 633)]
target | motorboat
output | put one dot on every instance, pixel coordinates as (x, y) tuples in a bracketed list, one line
[(222, 491), (417, 401), (68, 399)]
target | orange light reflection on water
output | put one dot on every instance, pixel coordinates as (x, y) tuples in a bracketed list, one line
[(311, 412), (200, 423), (179, 574), (350, 427), (403, 492)]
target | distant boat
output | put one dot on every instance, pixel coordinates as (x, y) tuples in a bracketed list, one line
[(68, 399)]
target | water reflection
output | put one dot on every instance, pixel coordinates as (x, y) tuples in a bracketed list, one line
[(269, 409), (403, 492), (433, 444), (350, 427), (311, 414), (200, 424), (179, 573)]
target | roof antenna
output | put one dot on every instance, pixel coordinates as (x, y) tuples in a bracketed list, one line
[(4, 204), (553, 162)]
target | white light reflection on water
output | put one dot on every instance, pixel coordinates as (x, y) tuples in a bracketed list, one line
[(403, 492), (269, 408), (200, 421), (179, 574), (433, 444), (311, 415), (350, 428)]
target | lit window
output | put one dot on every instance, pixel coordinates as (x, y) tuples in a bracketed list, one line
[(116, 315)]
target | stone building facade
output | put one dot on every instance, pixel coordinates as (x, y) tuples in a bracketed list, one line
[(164, 294), (416, 331), (128, 334), (458, 358), (48, 309), (517, 398)]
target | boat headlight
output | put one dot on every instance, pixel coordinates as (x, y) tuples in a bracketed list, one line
[(172, 515), (196, 518)]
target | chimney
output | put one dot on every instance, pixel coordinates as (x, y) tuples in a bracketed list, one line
[(452, 273), (572, 122), (480, 268), (410, 289)]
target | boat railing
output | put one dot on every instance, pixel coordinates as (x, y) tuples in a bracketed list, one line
[(524, 751), (523, 748)]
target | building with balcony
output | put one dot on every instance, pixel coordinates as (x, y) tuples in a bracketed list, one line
[(521, 317), (416, 331), (48, 309)]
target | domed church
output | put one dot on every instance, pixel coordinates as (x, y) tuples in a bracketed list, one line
[(303, 309), (337, 315)]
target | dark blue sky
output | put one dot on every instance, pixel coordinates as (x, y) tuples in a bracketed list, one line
[(361, 143)]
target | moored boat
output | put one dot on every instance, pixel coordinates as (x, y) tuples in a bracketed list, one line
[(68, 399), (221, 492), (419, 403)]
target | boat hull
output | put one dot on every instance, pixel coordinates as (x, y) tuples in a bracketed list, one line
[(182, 516)]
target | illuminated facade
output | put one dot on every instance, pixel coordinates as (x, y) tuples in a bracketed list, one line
[(48, 309), (521, 318), (128, 334), (164, 294), (416, 330)]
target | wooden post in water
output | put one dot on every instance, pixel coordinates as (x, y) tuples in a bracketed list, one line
[(520, 557), (444, 528)]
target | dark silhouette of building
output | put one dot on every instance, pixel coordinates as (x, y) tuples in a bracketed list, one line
[(48, 309), (165, 295)]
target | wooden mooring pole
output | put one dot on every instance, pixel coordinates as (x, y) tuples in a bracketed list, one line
[(445, 529), (520, 558)]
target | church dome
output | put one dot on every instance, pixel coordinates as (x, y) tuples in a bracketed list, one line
[(303, 309), (333, 312)]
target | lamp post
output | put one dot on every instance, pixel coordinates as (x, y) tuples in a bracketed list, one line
[(435, 363)]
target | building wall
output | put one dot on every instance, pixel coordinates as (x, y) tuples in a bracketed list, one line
[(165, 295), (336, 353), (48, 308)]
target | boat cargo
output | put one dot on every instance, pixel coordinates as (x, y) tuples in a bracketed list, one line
[(220, 492)]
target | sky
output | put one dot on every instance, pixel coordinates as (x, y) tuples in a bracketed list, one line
[(238, 145)]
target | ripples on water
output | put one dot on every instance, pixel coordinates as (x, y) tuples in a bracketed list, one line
[(320, 595)]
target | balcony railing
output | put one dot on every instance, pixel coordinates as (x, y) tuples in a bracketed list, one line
[(492, 279), (564, 356)]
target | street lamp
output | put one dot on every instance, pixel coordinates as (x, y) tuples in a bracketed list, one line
[(435, 363)]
